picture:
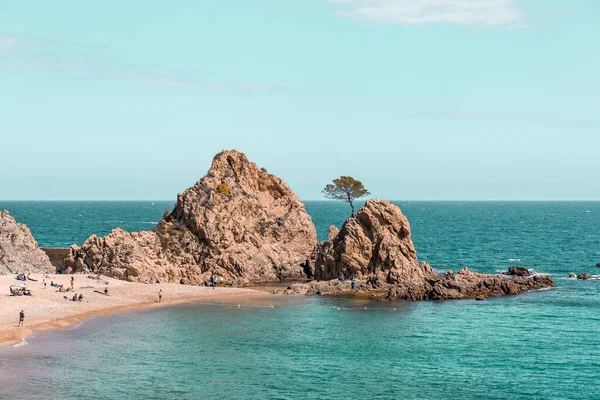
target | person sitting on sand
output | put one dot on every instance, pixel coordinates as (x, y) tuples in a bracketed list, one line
[(75, 297), (80, 298)]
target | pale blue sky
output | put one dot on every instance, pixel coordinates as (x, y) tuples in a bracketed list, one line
[(468, 99)]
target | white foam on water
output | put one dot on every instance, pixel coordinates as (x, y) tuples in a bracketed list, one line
[(544, 289), (22, 343), (514, 259)]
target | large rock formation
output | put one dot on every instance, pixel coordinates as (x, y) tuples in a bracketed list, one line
[(238, 221), (375, 243), (19, 252), (375, 247)]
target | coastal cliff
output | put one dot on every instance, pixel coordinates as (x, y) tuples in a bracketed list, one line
[(239, 222), (375, 247), (19, 252)]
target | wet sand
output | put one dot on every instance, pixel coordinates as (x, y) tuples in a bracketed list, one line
[(49, 309)]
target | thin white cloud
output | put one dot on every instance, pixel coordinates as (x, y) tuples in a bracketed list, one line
[(8, 42), (157, 79), (485, 13), (511, 118), (22, 53)]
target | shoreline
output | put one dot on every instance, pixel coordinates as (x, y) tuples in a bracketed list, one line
[(47, 309)]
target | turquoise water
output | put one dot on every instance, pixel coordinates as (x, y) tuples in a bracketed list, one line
[(538, 345)]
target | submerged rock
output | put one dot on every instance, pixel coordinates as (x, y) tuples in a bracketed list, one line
[(19, 252), (585, 276), (375, 246), (238, 221)]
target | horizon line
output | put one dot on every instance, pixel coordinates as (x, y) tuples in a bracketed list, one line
[(319, 200)]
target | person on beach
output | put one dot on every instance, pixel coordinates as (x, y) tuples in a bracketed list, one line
[(80, 298), (353, 284), (106, 291), (21, 317), (72, 283), (159, 296)]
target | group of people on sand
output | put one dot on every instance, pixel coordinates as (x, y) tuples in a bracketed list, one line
[(77, 298)]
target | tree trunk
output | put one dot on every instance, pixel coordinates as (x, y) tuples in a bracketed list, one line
[(352, 206)]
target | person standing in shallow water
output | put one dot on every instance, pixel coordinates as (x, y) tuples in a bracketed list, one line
[(21, 317)]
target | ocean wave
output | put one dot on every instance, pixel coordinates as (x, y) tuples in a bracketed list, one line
[(22, 343), (514, 259), (544, 289)]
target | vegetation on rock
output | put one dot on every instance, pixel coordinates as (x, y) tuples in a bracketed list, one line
[(347, 189)]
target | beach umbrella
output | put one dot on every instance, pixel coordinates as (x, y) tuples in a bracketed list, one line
[(18, 284)]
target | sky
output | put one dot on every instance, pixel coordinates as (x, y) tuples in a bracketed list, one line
[(418, 99)]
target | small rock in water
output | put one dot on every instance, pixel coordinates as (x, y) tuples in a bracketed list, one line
[(598, 265), (572, 275), (584, 276), (481, 298), (518, 271)]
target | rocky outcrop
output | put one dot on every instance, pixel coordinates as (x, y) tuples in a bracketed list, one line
[(585, 276), (517, 271), (19, 252), (375, 248), (375, 243), (238, 221)]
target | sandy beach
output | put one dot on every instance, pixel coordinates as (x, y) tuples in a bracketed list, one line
[(51, 309)]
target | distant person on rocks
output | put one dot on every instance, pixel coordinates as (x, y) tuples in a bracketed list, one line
[(21, 317), (353, 284)]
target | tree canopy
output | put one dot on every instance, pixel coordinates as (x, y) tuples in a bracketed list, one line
[(347, 189)]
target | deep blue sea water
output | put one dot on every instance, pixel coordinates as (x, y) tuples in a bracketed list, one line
[(542, 345)]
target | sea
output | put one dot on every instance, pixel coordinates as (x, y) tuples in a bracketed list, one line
[(539, 345)]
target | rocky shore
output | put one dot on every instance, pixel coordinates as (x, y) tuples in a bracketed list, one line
[(246, 225), (18, 249), (376, 249)]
